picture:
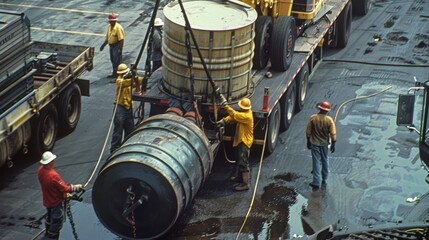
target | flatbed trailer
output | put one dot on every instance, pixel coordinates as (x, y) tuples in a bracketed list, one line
[(286, 91), (31, 122)]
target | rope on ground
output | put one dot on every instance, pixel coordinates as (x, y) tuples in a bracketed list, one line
[(358, 98), (256, 184), (105, 140)]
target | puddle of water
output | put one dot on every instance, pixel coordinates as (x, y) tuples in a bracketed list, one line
[(87, 224)]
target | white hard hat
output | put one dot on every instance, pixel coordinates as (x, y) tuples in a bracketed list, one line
[(158, 22), (47, 157)]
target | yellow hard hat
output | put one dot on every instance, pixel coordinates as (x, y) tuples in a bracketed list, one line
[(245, 104), (122, 68)]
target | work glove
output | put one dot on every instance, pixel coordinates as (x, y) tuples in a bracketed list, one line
[(222, 100), (308, 144), (220, 123), (76, 187), (102, 47), (332, 147)]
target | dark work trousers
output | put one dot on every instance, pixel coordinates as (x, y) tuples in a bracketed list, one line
[(242, 157), (115, 56), (156, 65), (123, 123), (54, 221)]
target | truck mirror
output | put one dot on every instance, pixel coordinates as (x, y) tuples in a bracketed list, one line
[(405, 113)]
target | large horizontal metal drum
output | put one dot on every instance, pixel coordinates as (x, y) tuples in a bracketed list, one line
[(224, 33), (152, 177)]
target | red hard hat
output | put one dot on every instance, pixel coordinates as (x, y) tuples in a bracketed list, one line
[(325, 105), (112, 17)]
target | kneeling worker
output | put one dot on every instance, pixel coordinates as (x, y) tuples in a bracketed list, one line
[(243, 139)]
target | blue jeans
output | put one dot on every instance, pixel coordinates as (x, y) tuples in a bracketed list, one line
[(115, 57), (54, 221), (319, 155), (123, 123)]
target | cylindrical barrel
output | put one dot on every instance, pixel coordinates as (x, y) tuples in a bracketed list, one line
[(224, 33), (162, 164)]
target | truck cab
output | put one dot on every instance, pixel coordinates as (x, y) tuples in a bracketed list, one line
[(405, 115)]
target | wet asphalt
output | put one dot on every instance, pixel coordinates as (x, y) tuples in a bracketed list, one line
[(373, 171)]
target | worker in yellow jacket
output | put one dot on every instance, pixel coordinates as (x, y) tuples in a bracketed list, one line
[(123, 120), (243, 139), (115, 38)]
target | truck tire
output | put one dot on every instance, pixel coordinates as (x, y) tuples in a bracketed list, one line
[(287, 103), (44, 132), (361, 7), (283, 43), (263, 29), (344, 24), (273, 129), (69, 106), (301, 87)]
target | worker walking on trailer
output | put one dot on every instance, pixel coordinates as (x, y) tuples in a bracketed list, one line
[(155, 47), (54, 191), (123, 120), (320, 132), (243, 139), (115, 38)]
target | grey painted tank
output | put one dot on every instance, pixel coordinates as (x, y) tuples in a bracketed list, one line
[(224, 33), (163, 163)]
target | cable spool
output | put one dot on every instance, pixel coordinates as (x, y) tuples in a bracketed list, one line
[(163, 163)]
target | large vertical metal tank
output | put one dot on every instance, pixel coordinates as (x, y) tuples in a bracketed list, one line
[(152, 177), (224, 33)]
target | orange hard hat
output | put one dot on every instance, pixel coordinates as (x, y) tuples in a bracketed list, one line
[(245, 104), (112, 17), (325, 105)]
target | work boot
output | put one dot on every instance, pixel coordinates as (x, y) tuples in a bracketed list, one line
[(246, 182), (236, 176)]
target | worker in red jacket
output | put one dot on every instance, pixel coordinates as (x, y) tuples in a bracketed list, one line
[(54, 191)]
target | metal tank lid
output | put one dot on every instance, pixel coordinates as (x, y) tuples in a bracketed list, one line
[(211, 15)]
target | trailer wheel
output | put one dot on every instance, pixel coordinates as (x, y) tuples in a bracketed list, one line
[(263, 29), (273, 129), (69, 106), (45, 129), (361, 7), (301, 87), (283, 42), (344, 26), (287, 103)]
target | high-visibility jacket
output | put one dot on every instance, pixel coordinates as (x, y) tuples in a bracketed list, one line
[(320, 129), (123, 91), (115, 33), (244, 128), (54, 189)]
